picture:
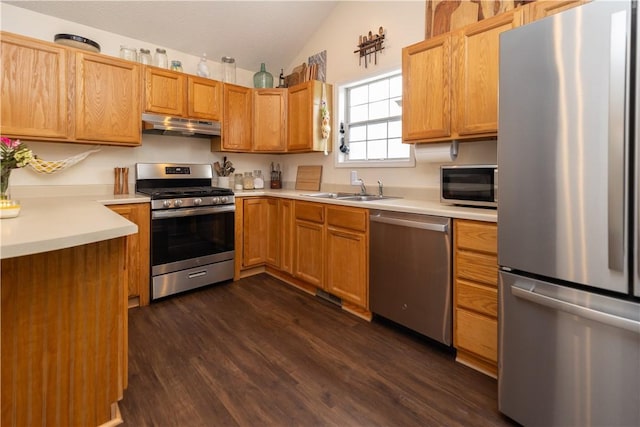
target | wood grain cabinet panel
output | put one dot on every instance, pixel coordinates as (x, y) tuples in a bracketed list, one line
[(478, 267), (270, 120), (286, 237), (204, 98), (254, 242), (64, 336), (34, 88), (348, 254), (165, 91), (481, 299), (303, 116), (477, 236), (475, 289), (274, 232), (107, 99), (309, 252), (237, 132), (477, 334), (477, 59), (138, 251), (426, 89)]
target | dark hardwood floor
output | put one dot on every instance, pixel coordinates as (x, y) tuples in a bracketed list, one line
[(258, 352)]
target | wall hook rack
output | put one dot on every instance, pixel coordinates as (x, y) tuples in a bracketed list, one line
[(369, 44)]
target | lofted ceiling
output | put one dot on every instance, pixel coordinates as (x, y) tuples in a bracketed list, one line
[(250, 31)]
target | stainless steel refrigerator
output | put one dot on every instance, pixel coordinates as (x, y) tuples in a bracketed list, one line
[(568, 225)]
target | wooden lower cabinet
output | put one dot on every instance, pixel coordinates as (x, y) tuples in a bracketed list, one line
[(64, 336), (348, 254), (254, 237), (311, 245), (476, 295), (138, 252)]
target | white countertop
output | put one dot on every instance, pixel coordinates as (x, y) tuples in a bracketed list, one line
[(427, 207), (52, 223)]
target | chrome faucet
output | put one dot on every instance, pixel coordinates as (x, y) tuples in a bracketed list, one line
[(363, 189), (380, 188)]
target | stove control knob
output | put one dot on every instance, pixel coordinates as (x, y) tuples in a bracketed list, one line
[(178, 203), (197, 201), (215, 200), (224, 199), (166, 204)]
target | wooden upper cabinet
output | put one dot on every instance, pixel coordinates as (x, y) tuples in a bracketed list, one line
[(107, 102), (541, 9), (34, 88), (303, 116), (269, 120), (238, 118), (426, 89), (204, 98), (477, 64), (165, 92), (450, 82)]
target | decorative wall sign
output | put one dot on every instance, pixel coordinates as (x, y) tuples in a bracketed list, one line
[(369, 44)]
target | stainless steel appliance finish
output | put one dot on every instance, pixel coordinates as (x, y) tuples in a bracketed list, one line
[(179, 126), (569, 311), (469, 185), (567, 357), (410, 271), (192, 227)]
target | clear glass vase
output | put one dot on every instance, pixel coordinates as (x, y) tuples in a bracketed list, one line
[(263, 78), (5, 174)]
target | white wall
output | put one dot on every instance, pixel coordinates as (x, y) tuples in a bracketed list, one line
[(404, 24)]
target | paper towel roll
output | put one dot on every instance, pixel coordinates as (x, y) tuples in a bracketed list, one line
[(434, 153)]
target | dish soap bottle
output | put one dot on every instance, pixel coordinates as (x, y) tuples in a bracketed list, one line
[(203, 68), (263, 78)]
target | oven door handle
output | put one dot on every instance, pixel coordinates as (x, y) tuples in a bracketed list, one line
[(177, 213)]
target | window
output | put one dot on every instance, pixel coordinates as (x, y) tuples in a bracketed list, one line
[(370, 113)]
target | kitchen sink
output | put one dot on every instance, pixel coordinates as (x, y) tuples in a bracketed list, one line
[(329, 195), (350, 196), (367, 197)]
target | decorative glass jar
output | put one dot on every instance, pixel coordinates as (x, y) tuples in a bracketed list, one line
[(258, 180), (144, 57), (247, 182), (263, 78), (160, 59), (228, 69)]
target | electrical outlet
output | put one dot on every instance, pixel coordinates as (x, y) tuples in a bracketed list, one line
[(354, 178)]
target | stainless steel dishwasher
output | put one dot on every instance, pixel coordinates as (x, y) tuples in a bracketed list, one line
[(410, 271)]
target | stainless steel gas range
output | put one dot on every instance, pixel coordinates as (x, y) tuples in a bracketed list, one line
[(192, 226)]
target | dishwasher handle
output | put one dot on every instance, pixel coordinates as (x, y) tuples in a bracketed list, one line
[(424, 225)]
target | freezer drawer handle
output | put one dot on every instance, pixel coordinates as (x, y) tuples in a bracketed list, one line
[(408, 223), (578, 310)]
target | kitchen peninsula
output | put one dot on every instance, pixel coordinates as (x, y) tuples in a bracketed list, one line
[(64, 323)]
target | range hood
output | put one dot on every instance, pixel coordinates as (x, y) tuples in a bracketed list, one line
[(179, 126)]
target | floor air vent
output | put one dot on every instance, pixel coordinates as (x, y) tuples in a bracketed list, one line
[(328, 297)]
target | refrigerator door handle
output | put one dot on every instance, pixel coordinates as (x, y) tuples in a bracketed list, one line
[(579, 310), (616, 147)]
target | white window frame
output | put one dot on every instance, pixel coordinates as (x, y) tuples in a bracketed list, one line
[(340, 160)]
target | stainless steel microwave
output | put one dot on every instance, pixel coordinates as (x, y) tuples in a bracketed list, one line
[(469, 185)]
